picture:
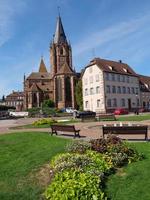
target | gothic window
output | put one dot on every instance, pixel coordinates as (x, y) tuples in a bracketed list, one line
[(61, 51), (59, 89), (34, 99), (68, 89)]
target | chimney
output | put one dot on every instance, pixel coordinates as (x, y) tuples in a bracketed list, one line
[(120, 61)]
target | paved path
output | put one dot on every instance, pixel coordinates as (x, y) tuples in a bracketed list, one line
[(88, 131)]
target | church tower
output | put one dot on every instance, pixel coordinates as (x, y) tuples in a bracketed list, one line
[(61, 68)]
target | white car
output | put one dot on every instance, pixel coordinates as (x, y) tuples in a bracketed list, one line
[(70, 110)]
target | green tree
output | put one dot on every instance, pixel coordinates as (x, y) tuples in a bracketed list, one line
[(79, 95), (48, 103)]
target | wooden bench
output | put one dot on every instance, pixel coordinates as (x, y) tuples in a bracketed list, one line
[(100, 117), (64, 128), (126, 130)]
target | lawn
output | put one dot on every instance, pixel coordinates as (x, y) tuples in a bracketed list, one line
[(22, 157), (140, 117), (132, 182), (28, 126)]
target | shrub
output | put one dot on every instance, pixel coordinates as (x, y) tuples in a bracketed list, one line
[(116, 150), (44, 121), (76, 185), (78, 147), (91, 162), (48, 103)]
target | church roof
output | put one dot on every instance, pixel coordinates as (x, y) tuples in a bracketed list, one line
[(35, 87), (65, 69), (39, 75), (60, 36), (42, 67)]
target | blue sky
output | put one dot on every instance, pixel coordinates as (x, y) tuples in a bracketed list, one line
[(111, 29)]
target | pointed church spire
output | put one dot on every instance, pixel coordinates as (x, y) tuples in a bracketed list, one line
[(60, 36), (42, 67)]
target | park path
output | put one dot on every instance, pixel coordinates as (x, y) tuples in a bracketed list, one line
[(89, 130)]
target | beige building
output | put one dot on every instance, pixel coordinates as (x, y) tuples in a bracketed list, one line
[(108, 85), (145, 91)]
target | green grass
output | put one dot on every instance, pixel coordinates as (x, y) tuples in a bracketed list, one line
[(28, 126), (21, 157), (133, 181), (140, 117)]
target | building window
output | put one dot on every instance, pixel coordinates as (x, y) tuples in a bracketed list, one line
[(91, 79), (86, 104), (133, 91), (138, 102), (85, 81), (114, 102), (107, 76), (113, 89), (91, 91), (90, 69), (119, 90), (98, 103), (86, 92), (108, 89), (128, 79), (97, 77), (109, 102), (113, 77), (118, 77), (137, 90), (128, 90), (123, 102), (123, 78), (97, 90), (124, 90)]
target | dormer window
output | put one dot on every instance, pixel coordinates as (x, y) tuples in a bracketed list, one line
[(125, 70), (146, 85), (110, 67)]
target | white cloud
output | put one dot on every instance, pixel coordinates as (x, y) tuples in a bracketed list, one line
[(118, 31), (8, 11)]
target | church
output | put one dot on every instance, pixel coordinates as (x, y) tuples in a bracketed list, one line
[(58, 84)]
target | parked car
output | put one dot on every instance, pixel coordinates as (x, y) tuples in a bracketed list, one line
[(79, 114), (121, 111), (70, 110)]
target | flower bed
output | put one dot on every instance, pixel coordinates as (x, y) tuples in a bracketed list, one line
[(80, 173)]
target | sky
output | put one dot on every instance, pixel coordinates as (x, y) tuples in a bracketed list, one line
[(109, 29)]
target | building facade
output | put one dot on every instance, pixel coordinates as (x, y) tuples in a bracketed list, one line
[(15, 99), (58, 84), (145, 91), (108, 85)]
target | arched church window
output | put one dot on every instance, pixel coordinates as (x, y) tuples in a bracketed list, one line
[(68, 89), (61, 51), (59, 89)]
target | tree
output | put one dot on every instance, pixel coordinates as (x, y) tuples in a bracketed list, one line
[(48, 103), (79, 95), (3, 98)]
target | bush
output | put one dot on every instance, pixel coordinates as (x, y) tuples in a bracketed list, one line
[(116, 150), (44, 121), (48, 103), (78, 147), (33, 112), (91, 162), (76, 185)]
